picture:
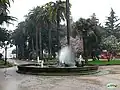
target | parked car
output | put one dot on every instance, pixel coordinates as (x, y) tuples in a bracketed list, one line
[(117, 55), (103, 55)]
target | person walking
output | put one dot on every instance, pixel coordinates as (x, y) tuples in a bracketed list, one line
[(93, 55), (108, 56), (97, 53)]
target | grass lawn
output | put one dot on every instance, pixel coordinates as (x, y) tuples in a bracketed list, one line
[(97, 62), (5, 66), (105, 62)]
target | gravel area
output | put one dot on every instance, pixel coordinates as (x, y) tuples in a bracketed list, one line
[(10, 80)]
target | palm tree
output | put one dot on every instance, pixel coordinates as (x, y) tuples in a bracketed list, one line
[(6, 2), (30, 27), (51, 15), (4, 5), (47, 21), (91, 33), (32, 17), (84, 27), (68, 21), (36, 16), (19, 38), (7, 19), (57, 13)]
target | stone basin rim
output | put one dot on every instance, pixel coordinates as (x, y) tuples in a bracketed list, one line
[(70, 70)]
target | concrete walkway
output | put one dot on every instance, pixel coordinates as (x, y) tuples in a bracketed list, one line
[(10, 80)]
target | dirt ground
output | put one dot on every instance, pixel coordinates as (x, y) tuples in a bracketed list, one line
[(10, 80)]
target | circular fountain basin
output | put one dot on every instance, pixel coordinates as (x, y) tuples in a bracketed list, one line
[(35, 69)]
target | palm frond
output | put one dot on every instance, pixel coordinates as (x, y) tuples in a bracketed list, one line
[(7, 19)]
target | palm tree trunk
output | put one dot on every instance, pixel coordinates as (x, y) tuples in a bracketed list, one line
[(23, 56), (68, 21), (58, 29), (40, 43), (5, 55), (42, 50), (37, 53), (32, 45), (17, 51), (85, 47), (50, 40)]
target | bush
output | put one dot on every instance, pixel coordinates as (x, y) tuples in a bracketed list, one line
[(2, 64)]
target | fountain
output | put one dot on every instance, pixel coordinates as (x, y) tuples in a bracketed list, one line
[(67, 57), (66, 65)]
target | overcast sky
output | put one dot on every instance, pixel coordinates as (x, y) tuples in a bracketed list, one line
[(80, 8)]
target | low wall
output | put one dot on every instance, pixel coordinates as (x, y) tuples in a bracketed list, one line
[(29, 69)]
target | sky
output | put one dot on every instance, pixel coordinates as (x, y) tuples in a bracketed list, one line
[(80, 8)]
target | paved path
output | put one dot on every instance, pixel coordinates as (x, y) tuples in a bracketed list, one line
[(10, 80)]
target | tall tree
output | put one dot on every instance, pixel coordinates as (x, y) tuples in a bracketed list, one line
[(48, 22), (57, 14), (19, 38), (90, 31), (112, 24), (37, 16), (41, 23), (97, 29)]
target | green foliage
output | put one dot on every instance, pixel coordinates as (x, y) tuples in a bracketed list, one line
[(2, 64), (6, 2), (111, 43), (53, 8), (19, 37), (56, 12), (42, 27), (90, 30), (7, 19), (4, 17), (111, 34), (112, 25), (40, 22), (105, 62), (4, 35)]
